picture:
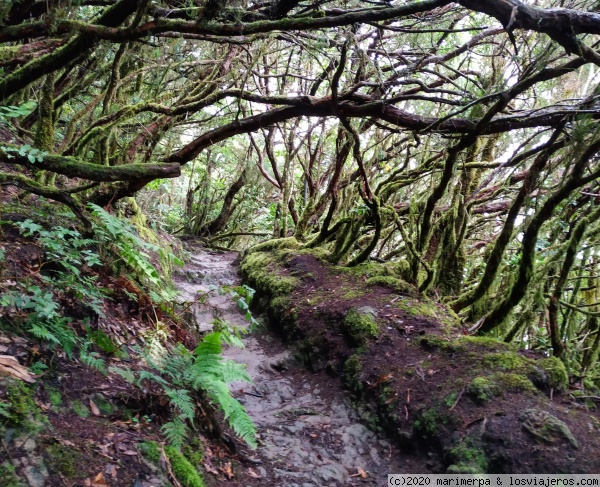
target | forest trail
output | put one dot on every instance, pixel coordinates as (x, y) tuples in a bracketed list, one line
[(309, 435)]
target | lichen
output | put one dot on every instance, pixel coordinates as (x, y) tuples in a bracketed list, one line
[(360, 325), (185, 472), (547, 428)]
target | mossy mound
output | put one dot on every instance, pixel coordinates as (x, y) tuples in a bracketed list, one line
[(360, 324)]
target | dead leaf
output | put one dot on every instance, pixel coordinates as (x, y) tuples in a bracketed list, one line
[(129, 453), (227, 470), (312, 435), (360, 473), (94, 408), (98, 481), (253, 474), (9, 365)]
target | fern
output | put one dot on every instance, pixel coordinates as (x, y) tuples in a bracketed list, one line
[(181, 373), (175, 432), (126, 374), (93, 360)]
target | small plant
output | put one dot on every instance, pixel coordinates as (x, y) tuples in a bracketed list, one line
[(182, 374)]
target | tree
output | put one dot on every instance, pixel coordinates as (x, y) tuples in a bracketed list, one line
[(456, 139)]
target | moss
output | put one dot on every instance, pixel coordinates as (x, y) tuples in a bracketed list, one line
[(193, 451), (360, 324), (482, 389), (556, 373), (468, 457), (19, 408), (9, 476), (432, 342), (150, 451), (394, 283), (80, 409), (185, 472), (428, 423), (547, 428), (275, 244), (352, 371), (55, 397), (260, 270), (514, 382), (353, 294), (418, 308), (103, 404), (63, 460), (507, 361), (486, 342)]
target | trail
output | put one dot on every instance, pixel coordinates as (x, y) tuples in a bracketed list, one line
[(309, 434)]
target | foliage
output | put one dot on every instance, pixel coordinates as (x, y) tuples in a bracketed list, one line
[(120, 239), (181, 374)]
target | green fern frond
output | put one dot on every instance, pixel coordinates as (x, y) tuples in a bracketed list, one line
[(126, 374), (175, 432), (181, 400)]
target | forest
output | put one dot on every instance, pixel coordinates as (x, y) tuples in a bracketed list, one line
[(410, 191)]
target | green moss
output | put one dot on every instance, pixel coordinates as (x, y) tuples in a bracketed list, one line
[(193, 451), (394, 283), (482, 389), (353, 294), (467, 457), (150, 451), (352, 371), (556, 373), (275, 244), (80, 409), (418, 308), (506, 361), (429, 422), (19, 408), (103, 404), (63, 460), (514, 382), (451, 399), (432, 342), (55, 397), (361, 325), (486, 342), (260, 269), (9, 476), (185, 472)]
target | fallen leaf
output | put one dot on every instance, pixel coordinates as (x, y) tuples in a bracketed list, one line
[(129, 453), (253, 474), (94, 408), (226, 469), (97, 481), (9, 365), (312, 435)]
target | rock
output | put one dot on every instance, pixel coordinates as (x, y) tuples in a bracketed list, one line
[(543, 426)]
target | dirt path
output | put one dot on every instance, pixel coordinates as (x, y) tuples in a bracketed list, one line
[(309, 434)]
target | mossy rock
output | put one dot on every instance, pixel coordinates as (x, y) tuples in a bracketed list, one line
[(185, 472), (555, 373), (546, 427), (360, 325), (484, 388), (433, 342), (19, 407)]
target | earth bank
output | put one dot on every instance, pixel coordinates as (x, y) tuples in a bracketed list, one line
[(464, 404)]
